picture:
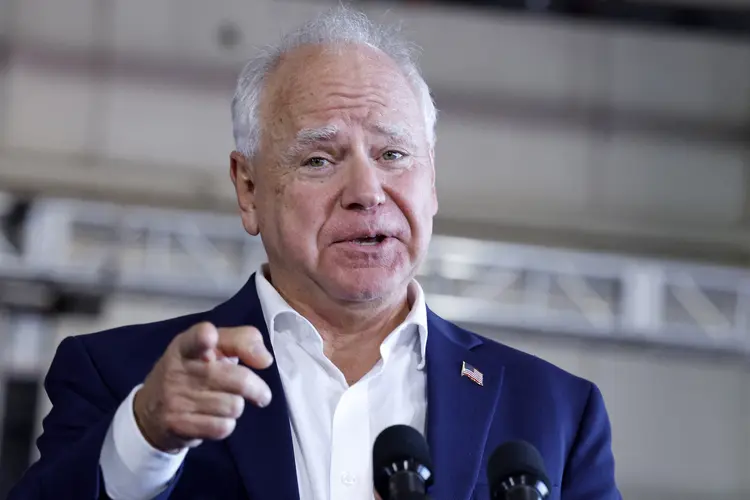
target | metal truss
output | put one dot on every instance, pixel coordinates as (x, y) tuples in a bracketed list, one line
[(103, 248)]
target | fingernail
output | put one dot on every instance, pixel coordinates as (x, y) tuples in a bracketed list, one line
[(259, 350), (264, 399)]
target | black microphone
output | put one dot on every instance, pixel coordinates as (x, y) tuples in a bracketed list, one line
[(402, 468), (516, 472)]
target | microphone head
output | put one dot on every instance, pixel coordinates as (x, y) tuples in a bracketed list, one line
[(513, 459), (399, 448)]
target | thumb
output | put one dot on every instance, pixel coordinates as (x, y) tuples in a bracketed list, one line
[(198, 342)]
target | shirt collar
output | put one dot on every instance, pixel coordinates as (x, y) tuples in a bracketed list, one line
[(274, 306)]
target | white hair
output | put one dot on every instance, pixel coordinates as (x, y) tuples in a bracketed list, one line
[(340, 25)]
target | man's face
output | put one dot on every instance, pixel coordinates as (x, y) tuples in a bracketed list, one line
[(342, 190)]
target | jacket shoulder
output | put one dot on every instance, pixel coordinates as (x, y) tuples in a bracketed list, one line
[(140, 335), (526, 368), (123, 356)]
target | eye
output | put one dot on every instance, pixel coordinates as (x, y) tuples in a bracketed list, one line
[(316, 162), (392, 155)]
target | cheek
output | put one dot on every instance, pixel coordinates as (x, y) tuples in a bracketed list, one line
[(417, 198), (300, 213)]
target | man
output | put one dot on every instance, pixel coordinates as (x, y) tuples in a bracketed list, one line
[(330, 342)]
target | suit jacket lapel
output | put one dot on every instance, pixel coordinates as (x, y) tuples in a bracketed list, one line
[(261, 443), (459, 411)]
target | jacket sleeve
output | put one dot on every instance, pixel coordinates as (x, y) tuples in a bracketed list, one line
[(590, 469), (73, 432)]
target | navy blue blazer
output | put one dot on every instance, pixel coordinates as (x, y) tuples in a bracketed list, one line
[(523, 397)]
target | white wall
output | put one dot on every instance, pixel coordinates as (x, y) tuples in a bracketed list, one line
[(681, 423)]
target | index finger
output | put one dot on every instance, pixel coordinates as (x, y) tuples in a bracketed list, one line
[(197, 341), (246, 343)]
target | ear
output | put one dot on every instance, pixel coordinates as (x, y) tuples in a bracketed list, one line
[(241, 172)]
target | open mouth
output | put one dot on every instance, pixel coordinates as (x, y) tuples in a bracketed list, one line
[(369, 240)]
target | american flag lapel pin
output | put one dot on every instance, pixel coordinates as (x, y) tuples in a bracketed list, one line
[(474, 375)]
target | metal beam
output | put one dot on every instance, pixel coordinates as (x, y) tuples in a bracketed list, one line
[(105, 248)]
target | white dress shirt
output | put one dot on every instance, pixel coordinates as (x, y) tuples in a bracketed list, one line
[(333, 425)]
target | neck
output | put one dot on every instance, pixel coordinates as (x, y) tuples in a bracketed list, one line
[(352, 332)]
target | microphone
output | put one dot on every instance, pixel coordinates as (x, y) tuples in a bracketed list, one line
[(516, 472), (402, 468)]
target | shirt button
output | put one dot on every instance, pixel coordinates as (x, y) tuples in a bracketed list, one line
[(348, 478)]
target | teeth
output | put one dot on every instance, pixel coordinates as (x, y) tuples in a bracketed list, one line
[(368, 241)]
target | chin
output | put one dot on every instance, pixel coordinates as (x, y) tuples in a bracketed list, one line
[(362, 285)]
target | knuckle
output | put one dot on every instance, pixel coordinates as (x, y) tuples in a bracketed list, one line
[(245, 335), (220, 377), (173, 384), (172, 422), (204, 331), (178, 403), (203, 326), (222, 428), (169, 405), (169, 362), (237, 406), (212, 372), (254, 335), (171, 373), (247, 382)]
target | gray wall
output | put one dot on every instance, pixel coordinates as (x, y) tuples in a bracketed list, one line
[(560, 129), (681, 421)]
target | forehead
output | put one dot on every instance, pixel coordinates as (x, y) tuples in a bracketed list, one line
[(343, 85)]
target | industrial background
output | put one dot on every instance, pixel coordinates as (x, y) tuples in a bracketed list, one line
[(593, 166)]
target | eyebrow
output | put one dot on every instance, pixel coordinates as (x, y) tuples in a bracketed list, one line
[(309, 136), (325, 133), (396, 132)]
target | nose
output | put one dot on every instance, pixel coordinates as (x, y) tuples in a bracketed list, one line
[(363, 189)]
